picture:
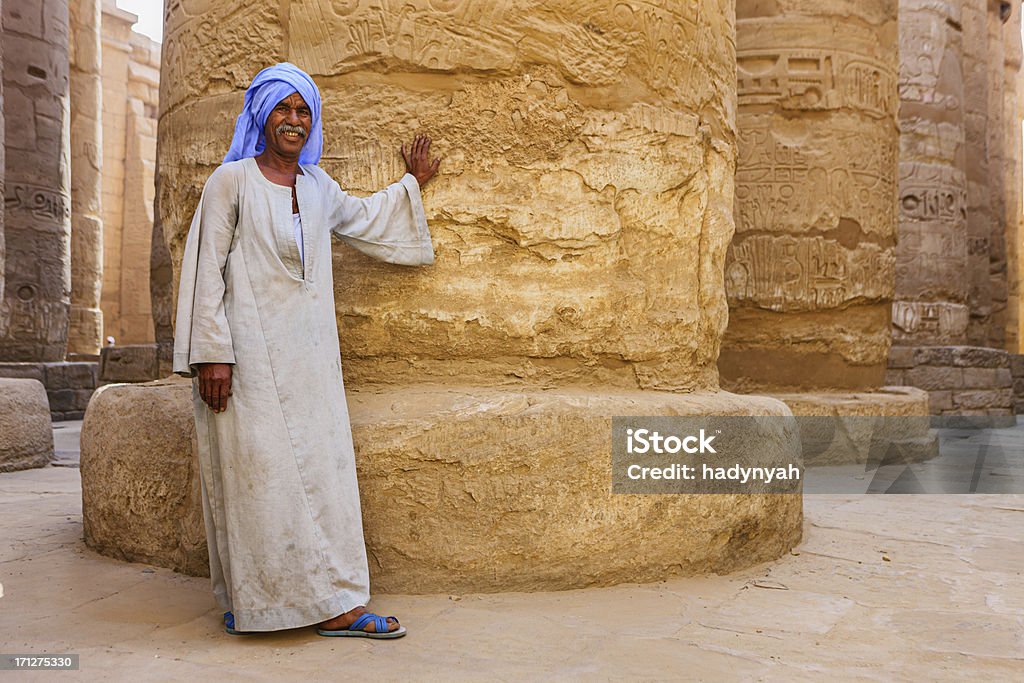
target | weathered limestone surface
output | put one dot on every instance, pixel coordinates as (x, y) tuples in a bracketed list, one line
[(34, 309), (131, 64), (140, 479), (26, 438), (931, 256), (1017, 372), (810, 275), (580, 223), (86, 320), (483, 489)]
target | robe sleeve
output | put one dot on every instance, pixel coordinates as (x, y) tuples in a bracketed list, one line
[(201, 331), (389, 225)]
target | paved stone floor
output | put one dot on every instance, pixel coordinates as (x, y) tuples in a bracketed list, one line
[(883, 587)]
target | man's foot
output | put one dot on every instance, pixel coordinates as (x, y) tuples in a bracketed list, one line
[(343, 621)]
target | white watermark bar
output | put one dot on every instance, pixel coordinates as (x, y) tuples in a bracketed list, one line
[(36, 662), (820, 454)]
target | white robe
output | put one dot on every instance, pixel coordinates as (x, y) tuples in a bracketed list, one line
[(279, 490)]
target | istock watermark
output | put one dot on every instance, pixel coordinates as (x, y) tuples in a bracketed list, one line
[(831, 454)]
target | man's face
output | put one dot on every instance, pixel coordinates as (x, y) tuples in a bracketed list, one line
[(288, 126)]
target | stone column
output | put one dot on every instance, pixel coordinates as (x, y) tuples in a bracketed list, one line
[(931, 256), (86, 325), (998, 12), (580, 226), (2, 160), (811, 269), (1013, 174), (979, 210), (34, 310)]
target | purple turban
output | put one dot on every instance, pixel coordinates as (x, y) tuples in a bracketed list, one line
[(270, 86)]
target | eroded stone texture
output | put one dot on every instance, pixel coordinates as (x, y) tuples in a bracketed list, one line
[(37, 221), (140, 479), (580, 223), (486, 489), (810, 275), (3, 248), (86, 320), (581, 231), (26, 438), (931, 256)]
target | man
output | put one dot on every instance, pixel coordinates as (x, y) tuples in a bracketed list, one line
[(256, 327)]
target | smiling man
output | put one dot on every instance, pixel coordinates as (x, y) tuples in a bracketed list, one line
[(256, 329)]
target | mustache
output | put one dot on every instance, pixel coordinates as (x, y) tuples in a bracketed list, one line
[(285, 128)]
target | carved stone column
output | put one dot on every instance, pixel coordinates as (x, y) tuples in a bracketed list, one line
[(34, 310), (580, 225), (931, 258), (979, 209), (810, 275), (86, 325), (1013, 174), (998, 12)]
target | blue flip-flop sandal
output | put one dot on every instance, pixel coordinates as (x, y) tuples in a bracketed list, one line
[(229, 625), (356, 629)]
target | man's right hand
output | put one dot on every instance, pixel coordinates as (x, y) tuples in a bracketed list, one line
[(215, 385)]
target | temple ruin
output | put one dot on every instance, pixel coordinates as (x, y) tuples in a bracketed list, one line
[(708, 208)]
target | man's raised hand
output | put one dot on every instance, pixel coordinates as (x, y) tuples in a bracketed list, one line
[(417, 159), (215, 385)]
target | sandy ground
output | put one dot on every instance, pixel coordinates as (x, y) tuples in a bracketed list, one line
[(883, 587)]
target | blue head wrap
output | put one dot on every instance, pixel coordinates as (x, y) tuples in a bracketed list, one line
[(270, 86)]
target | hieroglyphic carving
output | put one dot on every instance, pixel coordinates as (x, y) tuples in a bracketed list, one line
[(815, 79), (787, 181), (937, 322), (787, 273), (41, 202)]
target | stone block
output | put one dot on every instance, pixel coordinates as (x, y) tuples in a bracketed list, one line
[(933, 355), (939, 401), (901, 357), (140, 486), (129, 363), (977, 400), (1017, 364), (26, 434), (1018, 386), (1003, 378), (981, 378), (979, 357), (517, 451), (931, 378), (894, 378), (62, 400), (36, 371)]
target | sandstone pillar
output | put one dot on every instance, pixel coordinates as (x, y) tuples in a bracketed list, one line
[(580, 226), (810, 274), (998, 12), (86, 320), (2, 160), (34, 310), (1013, 173), (931, 256)]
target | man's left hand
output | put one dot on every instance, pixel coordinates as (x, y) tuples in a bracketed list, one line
[(417, 159)]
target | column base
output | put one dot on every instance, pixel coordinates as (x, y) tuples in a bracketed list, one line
[(464, 489)]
